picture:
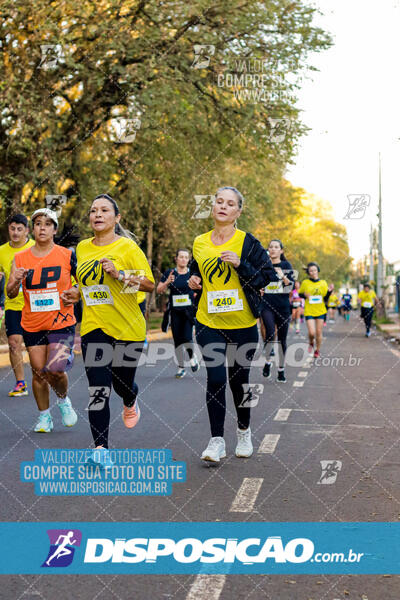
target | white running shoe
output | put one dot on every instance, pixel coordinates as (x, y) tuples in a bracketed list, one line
[(244, 447), (194, 364), (69, 416), (44, 424), (180, 373), (100, 457), (215, 450)]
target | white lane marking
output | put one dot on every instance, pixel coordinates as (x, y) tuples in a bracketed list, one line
[(247, 495), (269, 443), (342, 425), (282, 414), (298, 383), (302, 374), (206, 587)]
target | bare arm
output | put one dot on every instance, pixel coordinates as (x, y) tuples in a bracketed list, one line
[(14, 281)]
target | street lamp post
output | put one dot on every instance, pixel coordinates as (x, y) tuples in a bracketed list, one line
[(380, 254)]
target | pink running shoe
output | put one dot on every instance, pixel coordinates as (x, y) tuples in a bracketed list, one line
[(131, 415)]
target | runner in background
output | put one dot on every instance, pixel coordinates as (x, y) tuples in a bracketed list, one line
[(2, 297), (316, 292), (346, 305), (275, 308), (18, 231), (229, 268), (181, 310), (333, 303), (296, 306), (141, 300), (111, 269), (44, 271), (367, 299)]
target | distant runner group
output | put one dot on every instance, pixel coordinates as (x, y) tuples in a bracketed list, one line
[(220, 292)]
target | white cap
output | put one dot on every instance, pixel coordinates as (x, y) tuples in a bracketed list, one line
[(46, 212)]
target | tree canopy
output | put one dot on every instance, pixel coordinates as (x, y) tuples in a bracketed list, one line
[(156, 102)]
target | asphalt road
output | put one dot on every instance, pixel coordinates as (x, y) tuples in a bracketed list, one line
[(333, 412)]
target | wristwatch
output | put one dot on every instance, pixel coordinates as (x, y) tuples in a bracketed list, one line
[(121, 276)]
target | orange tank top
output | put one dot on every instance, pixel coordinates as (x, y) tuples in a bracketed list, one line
[(48, 276)]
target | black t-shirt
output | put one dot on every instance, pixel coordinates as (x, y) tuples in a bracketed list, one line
[(276, 294), (179, 287)]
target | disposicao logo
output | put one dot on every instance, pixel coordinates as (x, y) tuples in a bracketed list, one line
[(190, 550), (62, 547)]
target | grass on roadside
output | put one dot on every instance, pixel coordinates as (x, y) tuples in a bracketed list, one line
[(154, 321)]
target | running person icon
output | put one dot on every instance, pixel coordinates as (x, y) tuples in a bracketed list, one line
[(62, 549), (111, 269), (229, 268), (44, 271)]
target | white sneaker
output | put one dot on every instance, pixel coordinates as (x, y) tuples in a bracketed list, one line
[(215, 450), (44, 424), (194, 364), (69, 416), (180, 373), (244, 447)]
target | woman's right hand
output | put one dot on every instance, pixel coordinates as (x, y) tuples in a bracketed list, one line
[(194, 282), (20, 274), (170, 278)]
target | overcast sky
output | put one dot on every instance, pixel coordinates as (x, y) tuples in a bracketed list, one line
[(353, 108)]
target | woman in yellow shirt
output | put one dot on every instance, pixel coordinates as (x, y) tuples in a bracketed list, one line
[(229, 268), (367, 299), (110, 267), (333, 303), (316, 292)]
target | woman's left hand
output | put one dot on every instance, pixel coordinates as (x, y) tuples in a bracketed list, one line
[(70, 297), (230, 257), (109, 268), (330, 287)]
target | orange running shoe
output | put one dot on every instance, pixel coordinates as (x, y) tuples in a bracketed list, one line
[(131, 415)]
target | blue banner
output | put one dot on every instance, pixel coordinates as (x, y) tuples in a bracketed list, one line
[(191, 548), (74, 472)]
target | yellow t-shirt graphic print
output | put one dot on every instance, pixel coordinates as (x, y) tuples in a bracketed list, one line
[(105, 305), (223, 304)]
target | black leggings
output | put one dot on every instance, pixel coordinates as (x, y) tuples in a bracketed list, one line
[(98, 347), (222, 341), (182, 332), (366, 314), (282, 321)]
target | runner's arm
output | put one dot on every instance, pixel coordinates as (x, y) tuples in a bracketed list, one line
[(14, 281), (256, 269)]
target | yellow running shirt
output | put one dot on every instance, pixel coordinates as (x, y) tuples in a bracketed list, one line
[(105, 305), (7, 254), (141, 296), (367, 298), (314, 305), (333, 301), (223, 304)]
